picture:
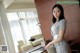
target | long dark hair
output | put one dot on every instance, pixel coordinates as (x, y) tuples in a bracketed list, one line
[(61, 15)]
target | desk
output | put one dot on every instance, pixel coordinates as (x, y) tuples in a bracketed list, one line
[(37, 49)]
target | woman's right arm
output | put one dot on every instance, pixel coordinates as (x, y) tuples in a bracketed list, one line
[(48, 45)]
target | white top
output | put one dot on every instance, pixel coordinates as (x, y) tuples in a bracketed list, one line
[(57, 26)]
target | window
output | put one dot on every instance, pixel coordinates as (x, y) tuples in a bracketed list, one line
[(23, 25)]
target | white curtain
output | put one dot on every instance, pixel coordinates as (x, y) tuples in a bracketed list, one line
[(23, 25)]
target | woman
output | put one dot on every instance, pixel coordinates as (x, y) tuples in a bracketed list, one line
[(58, 29)]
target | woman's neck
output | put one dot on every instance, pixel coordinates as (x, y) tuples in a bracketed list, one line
[(57, 20)]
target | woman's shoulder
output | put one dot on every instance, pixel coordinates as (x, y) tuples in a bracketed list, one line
[(63, 20)]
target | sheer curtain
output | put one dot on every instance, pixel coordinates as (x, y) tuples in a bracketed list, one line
[(15, 28), (29, 22), (23, 25)]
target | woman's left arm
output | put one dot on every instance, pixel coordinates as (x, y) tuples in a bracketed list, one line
[(59, 38)]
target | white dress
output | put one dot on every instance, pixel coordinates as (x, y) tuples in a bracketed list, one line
[(62, 46)]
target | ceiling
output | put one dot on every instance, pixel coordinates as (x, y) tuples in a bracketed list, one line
[(19, 4), (27, 1), (9, 4)]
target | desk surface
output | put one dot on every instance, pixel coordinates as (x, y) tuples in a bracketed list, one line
[(37, 49)]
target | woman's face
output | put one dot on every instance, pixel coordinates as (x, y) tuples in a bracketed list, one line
[(56, 12)]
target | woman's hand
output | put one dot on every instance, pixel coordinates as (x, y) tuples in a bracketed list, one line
[(48, 45)]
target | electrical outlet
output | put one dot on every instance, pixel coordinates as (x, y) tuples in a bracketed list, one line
[(3, 47)]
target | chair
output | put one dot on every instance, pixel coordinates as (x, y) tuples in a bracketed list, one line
[(73, 46), (38, 39), (23, 46), (51, 49)]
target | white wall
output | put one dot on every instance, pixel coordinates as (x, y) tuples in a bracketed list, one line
[(2, 39), (7, 3), (21, 5), (5, 34)]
